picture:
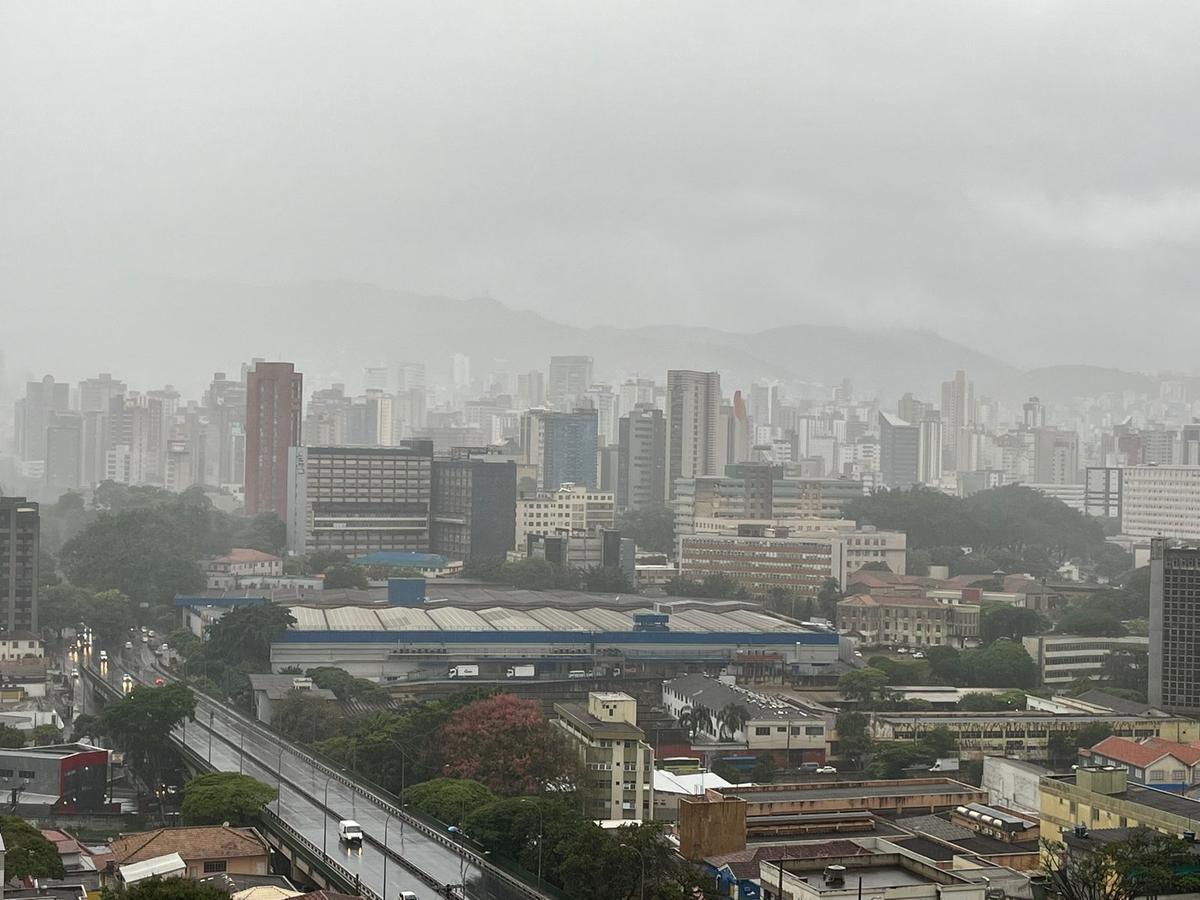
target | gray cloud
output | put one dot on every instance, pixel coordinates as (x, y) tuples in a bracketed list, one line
[(1019, 176)]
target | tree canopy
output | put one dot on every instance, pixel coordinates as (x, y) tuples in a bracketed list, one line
[(217, 797), (1012, 622), (165, 889), (448, 799), (27, 854), (507, 744), (141, 723), (652, 528)]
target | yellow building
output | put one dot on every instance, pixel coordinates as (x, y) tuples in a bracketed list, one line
[(1100, 797)]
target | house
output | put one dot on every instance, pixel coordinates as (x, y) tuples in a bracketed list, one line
[(239, 568), (269, 689), (204, 850), (1154, 762)]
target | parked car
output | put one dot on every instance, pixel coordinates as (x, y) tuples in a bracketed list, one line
[(129, 645), (350, 832), (917, 654), (826, 770), (901, 649)]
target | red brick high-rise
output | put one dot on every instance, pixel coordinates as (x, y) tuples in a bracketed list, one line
[(274, 394)]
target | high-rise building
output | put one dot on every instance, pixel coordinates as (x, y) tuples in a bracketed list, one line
[(531, 389), (359, 500), (929, 450), (569, 446), (474, 504), (570, 377), (912, 410), (1033, 413), (1174, 681), (958, 413), (641, 458), (20, 536), (693, 416), (899, 451), (64, 452), (96, 394), (1189, 444), (42, 399), (274, 397), (601, 398), (460, 366), (221, 462), (1055, 456)]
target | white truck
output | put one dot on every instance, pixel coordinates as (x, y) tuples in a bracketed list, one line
[(464, 672), (521, 672), (946, 764), (350, 833)]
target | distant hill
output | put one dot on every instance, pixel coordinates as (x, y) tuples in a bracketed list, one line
[(1061, 383), (152, 331)]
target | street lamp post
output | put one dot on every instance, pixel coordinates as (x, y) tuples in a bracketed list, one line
[(540, 839), (386, 853), (642, 858), (325, 817)]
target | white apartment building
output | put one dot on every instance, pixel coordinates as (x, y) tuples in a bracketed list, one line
[(1161, 501), (571, 508), (1061, 658)]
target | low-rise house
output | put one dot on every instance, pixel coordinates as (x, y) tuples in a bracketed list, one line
[(204, 850), (240, 567), (270, 689), (1166, 765)]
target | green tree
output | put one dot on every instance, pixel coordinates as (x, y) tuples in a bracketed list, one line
[(652, 528), (607, 580), (141, 723), (1012, 622), (854, 738), (722, 768), (347, 687), (265, 532), (61, 606), (346, 577), (165, 889), (109, 614), (1090, 622), (945, 664), (301, 717), (218, 797), (939, 743), (864, 685), (245, 634), (27, 854), (1001, 664), (1128, 668), (44, 735), (148, 554), (86, 726), (1112, 562), (696, 720), (1146, 864), (891, 759), (448, 799), (11, 738), (981, 702), (731, 719)]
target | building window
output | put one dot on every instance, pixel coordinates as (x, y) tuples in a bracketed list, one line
[(762, 731), (27, 774), (214, 865)]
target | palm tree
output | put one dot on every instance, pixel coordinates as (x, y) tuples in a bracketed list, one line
[(694, 719), (732, 718)]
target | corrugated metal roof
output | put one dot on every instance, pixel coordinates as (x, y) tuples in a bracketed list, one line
[(404, 618), (449, 619), (352, 618), (706, 621), (757, 621), (606, 619), (561, 620), (309, 619), (509, 619)]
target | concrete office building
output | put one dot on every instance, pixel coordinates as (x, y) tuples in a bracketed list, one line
[(908, 621), (759, 559), (1174, 682), (694, 444), (602, 547), (274, 396), (1061, 658), (571, 508), (1161, 501), (899, 452), (641, 480), (64, 452), (20, 544), (1102, 492), (1055, 456), (570, 378), (474, 504), (359, 500), (617, 762)]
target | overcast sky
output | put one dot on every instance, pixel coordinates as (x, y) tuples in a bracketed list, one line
[(1020, 176)]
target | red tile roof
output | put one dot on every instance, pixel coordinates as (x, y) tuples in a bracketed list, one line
[(245, 555), (891, 600), (211, 842), (1141, 755)]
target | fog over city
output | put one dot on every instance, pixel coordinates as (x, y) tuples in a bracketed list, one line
[(1016, 178)]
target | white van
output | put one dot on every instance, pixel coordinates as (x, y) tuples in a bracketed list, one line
[(407, 895), (350, 832)]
